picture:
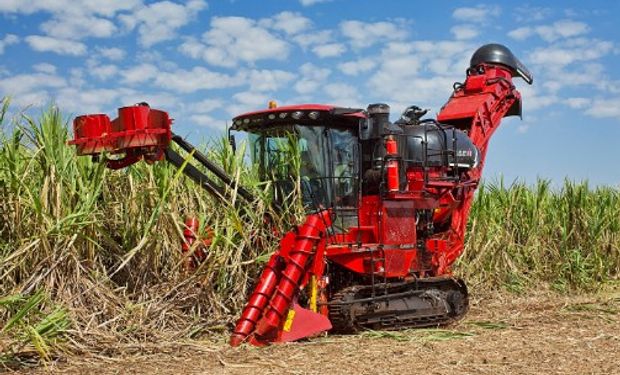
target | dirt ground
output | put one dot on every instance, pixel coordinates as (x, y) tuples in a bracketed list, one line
[(502, 334)]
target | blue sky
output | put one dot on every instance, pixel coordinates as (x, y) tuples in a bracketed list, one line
[(205, 61)]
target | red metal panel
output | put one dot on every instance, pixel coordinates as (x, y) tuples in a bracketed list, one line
[(91, 134), (279, 284), (398, 222), (388, 262), (258, 301), (304, 323), (391, 147), (139, 132), (461, 108)]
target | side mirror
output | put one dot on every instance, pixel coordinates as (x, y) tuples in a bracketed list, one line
[(232, 141), (365, 129)]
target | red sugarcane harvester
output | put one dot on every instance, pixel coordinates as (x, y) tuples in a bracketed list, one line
[(387, 202)]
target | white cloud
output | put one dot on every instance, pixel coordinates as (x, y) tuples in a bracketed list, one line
[(289, 22), (447, 58), (429, 92), (154, 56), (90, 100), (207, 121), (79, 100), (364, 34), (578, 103), (30, 89), (103, 72), (59, 46), (236, 39), (70, 20), (465, 32), (343, 94), (139, 73), (37, 98), (251, 98), (559, 77), (535, 99), (112, 53), (198, 78), (523, 128), (192, 48), (308, 39), (205, 105), (412, 73), (72, 26), (570, 51), (395, 73), (45, 68), (307, 3), (269, 80), (521, 33), (105, 8), (181, 80), (329, 50), (534, 103), (23, 83), (612, 86), (158, 99), (443, 48), (312, 77), (528, 13), (602, 108), (247, 101), (562, 29), (7, 41), (550, 33), (76, 77), (478, 14), (353, 68), (158, 22)]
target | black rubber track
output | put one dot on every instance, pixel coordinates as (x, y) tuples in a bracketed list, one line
[(428, 302)]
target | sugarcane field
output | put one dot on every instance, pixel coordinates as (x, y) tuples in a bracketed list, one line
[(309, 187)]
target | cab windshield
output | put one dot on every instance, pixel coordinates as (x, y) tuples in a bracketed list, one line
[(317, 161)]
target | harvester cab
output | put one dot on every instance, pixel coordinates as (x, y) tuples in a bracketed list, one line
[(311, 148), (387, 203)]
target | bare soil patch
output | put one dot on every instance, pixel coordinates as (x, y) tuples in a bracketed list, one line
[(502, 334)]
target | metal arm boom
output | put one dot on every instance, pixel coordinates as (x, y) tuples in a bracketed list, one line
[(194, 173), (477, 107)]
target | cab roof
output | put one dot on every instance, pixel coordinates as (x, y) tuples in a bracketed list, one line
[(309, 114)]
